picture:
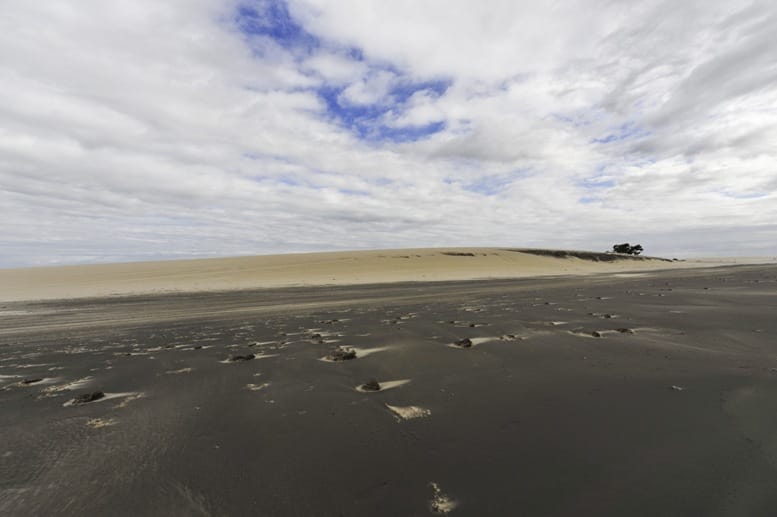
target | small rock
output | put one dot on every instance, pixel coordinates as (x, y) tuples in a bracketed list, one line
[(197, 347), (342, 354), (625, 331), (31, 381), (464, 343), (246, 357), (596, 333), (88, 397), (372, 385)]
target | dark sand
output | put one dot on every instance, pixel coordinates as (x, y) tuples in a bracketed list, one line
[(677, 418)]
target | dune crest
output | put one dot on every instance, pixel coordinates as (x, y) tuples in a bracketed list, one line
[(330, 268)]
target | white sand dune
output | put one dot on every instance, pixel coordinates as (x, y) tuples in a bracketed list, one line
[(335, 268)]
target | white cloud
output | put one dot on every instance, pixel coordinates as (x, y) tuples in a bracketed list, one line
[(144, 129)]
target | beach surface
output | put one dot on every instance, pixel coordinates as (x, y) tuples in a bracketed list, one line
[(647, 390)]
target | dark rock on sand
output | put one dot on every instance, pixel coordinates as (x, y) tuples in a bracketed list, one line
[(596, 333), (31, 381), (88, 397), (464, 343), (246, 357), (625, 331), (342, 354), (372, 385)]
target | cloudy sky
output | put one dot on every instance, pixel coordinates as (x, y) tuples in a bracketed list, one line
[(147, 129)]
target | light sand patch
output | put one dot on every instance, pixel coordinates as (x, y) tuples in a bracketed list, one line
[(24, 383), (364, 352), (474, 341), (97, 423), (603, 333), (360, 353), (551, 323), (512, 337), (14, 313), (603, 315), (182, 370), (384, 385), (408, 412), (52, 391), (257, 387), (128, 396), (78, 350), (441, 503)]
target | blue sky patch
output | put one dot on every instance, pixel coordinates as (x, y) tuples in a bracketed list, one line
[(353, 192), (366, 120), (271, 19), (494, 184), (597, 182), (623, 132)]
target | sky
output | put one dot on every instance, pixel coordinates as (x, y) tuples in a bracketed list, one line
[(141, 130)]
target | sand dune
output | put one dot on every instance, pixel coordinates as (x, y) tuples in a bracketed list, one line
[(336, 268)]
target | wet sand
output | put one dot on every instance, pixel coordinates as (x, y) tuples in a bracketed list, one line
[(219, 403)]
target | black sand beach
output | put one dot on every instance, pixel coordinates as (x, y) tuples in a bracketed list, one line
[(652, 394)]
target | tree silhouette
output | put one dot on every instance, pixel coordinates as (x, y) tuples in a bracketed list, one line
[(627, 248)]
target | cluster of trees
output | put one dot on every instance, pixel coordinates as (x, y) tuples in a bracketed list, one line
[(627, 248)]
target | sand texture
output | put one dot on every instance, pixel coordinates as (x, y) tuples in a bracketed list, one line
[(340, 268), (596, 395)]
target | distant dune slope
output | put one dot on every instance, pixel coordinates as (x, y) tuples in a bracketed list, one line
[(340, 268)]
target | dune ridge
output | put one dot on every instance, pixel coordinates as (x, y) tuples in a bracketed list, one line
[(307, 269)]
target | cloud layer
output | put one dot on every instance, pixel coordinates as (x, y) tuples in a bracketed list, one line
[(142, 130)]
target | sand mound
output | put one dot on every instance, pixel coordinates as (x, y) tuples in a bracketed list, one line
[(340, 268)]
